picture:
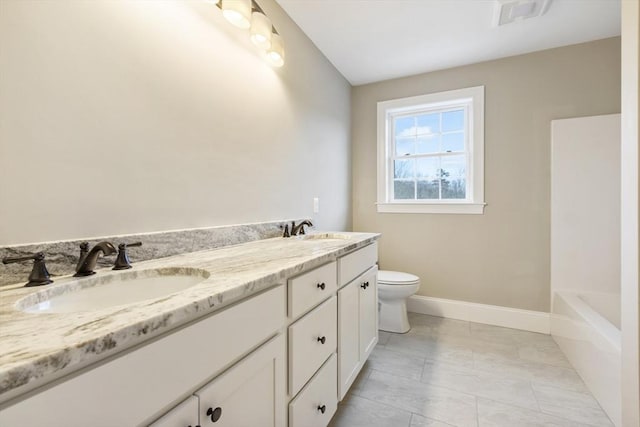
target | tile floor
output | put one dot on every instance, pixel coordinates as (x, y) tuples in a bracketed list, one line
[(453, 373)]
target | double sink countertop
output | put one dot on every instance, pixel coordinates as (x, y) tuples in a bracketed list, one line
[(36, 348)]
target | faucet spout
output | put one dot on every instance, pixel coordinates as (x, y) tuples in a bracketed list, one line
[(299, 229), (88, 259)]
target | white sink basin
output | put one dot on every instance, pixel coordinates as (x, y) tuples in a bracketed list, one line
[(98, 292)]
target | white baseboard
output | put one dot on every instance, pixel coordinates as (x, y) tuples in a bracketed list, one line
[(526, 320)]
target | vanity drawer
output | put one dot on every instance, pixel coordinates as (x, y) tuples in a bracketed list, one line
[(352, 265), (311, 288), (311, 340), (318, 401)]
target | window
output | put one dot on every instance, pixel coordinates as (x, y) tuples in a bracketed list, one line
[(431, 153)]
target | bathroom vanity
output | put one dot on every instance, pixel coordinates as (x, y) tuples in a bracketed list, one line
[(274, 335)]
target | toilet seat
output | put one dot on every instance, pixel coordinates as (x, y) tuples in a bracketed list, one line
[(386, 277)]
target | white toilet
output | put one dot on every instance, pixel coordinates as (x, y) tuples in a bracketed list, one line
[(394, 287)]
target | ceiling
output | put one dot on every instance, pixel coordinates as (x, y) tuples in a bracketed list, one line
[(373, 40)]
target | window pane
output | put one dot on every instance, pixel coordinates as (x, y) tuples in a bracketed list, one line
[(453, 177), (427, 167), (453, 120), (404, 189), (405, 146), (428, 189), (454, 188), (453, 166), (404, 126), (403, 168), (428, 144), (429, 123), (453, 142)]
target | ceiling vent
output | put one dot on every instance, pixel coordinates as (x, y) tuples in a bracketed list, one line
[(508, 11)]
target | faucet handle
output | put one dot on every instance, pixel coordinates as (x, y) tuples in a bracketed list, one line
[(285, 231), (84, 250), (122, 260), (39, 274)]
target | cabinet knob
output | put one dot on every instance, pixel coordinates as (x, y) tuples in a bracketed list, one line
[(215, 414), (365, 285), (322, 408), (321, 286), (322, 339)]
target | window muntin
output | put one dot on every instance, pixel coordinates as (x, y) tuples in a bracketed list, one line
[(431, 153)]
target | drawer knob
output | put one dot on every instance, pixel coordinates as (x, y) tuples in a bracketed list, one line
[(322, 408), (215, 414), (365, 285), (322, 340), (321, 286)]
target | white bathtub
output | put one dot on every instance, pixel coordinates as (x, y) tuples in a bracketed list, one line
[(586, 326)]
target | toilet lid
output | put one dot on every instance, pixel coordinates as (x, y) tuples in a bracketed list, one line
[(396, 278)]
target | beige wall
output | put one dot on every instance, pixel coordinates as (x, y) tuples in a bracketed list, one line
[(133, 116), (501, 257)]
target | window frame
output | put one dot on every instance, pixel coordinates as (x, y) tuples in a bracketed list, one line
[(472, 100)]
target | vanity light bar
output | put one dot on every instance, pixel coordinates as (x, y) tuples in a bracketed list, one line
[(248, 15)]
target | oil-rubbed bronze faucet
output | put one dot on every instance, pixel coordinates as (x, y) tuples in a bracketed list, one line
[(299, 229), (122, 261), (39, 274), (88, 259)]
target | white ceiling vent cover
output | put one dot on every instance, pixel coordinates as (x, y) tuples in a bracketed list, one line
[(508, 11)]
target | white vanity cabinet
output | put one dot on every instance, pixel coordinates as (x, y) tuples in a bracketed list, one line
[(183, 415), (317, 402), (312, 340), (128, 389), (357, 327), (250, 394), (281, 358)]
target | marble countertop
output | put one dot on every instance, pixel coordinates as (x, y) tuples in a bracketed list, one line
[(36, 348)]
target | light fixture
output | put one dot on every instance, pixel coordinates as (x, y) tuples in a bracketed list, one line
[(247, 14), (238, 12), (276, 52), (261, 30)]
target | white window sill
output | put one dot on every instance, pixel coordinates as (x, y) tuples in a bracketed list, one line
[(435, 208)]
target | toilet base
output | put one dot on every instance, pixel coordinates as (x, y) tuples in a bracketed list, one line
[(392, 317)]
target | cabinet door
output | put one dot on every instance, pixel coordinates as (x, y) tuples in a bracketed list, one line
[(368, 312), (183, 415), (251, 393), (348, 337)]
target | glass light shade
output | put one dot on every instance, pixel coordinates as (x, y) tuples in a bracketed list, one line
[(276, 52), (261, 30), (238, 12)]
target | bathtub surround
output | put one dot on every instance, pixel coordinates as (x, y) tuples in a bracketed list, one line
[(585, 205), (592, 344), (62, 257), (585, 251), (500, 258), (159, 115)]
